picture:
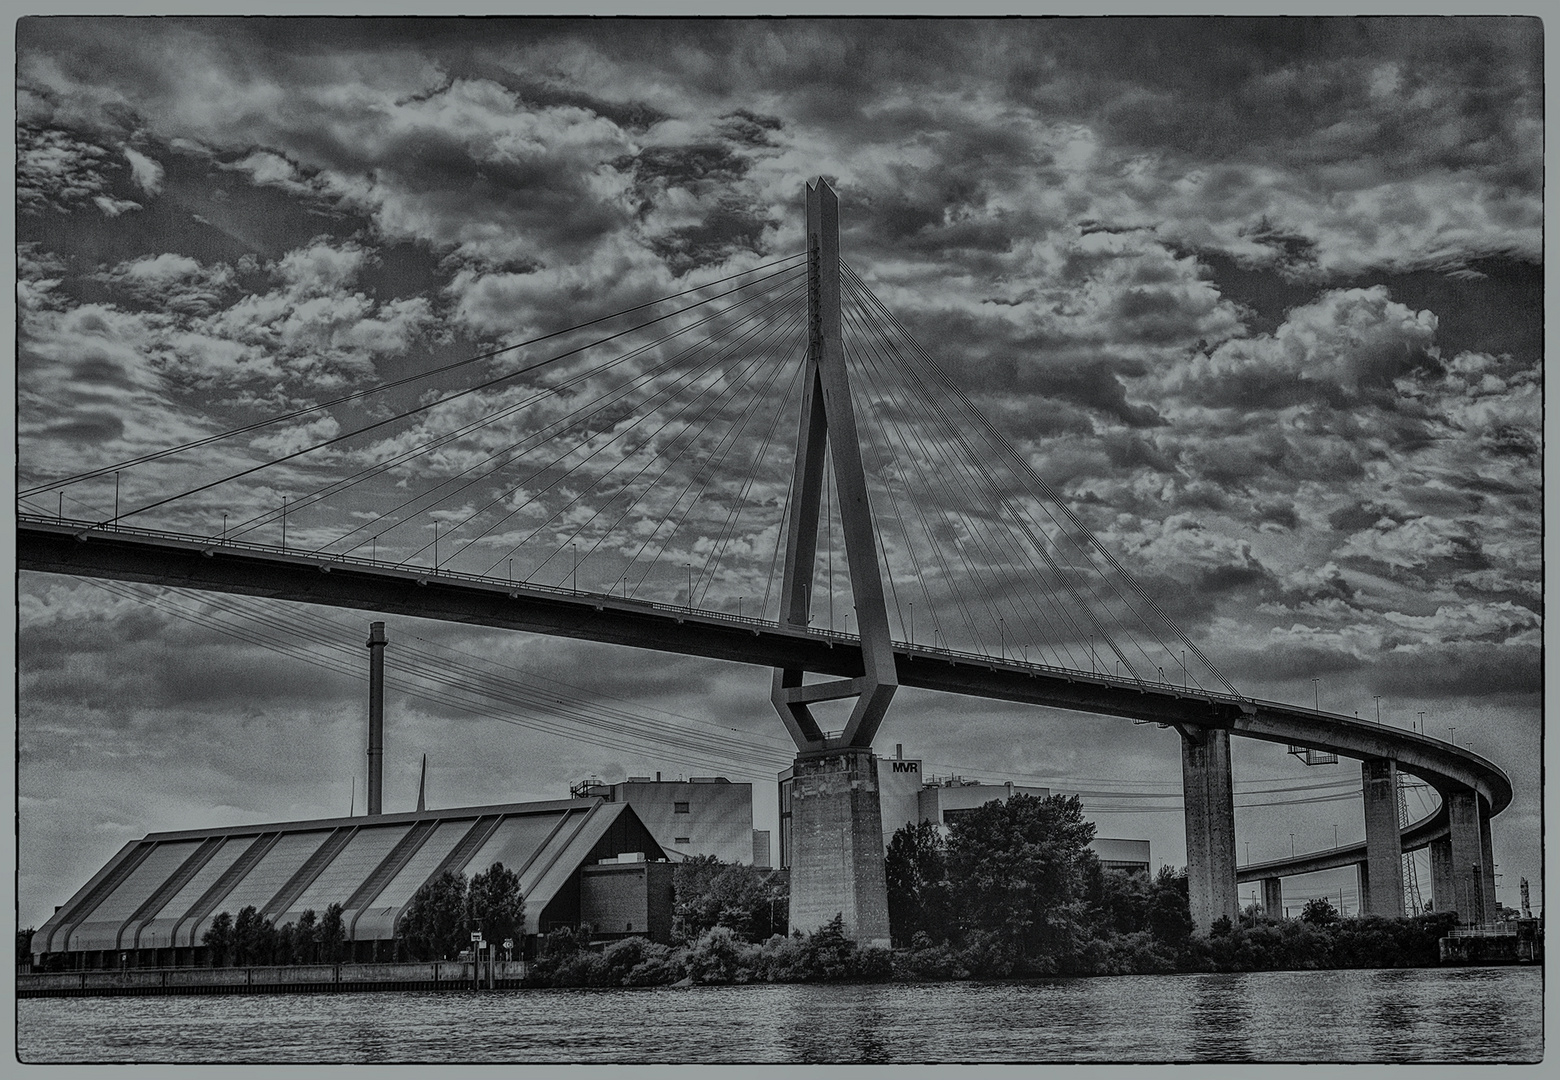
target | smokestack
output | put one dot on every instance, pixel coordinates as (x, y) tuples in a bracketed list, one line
[(376, 717)]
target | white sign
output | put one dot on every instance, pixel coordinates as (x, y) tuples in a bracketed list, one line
[(476, 935), (509, 943)]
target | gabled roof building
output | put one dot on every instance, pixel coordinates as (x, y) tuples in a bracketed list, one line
[(150, 904)]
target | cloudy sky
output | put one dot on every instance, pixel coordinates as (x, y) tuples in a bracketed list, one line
[(1261, 299)]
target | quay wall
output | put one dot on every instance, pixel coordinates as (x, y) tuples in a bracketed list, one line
[(293, 979)]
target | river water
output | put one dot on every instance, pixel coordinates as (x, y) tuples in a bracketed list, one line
[(1491, 1014)]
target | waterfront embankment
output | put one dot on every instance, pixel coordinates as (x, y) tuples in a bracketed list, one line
[(289, 979)]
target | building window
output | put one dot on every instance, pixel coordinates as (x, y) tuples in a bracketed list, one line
[(679, 808), (680, 839)]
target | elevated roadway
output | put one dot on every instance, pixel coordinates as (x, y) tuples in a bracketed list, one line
[(47, 545)]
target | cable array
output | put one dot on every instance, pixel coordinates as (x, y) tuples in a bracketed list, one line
[(997, 556)]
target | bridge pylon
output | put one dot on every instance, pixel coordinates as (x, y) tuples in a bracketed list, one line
[(836, 817)]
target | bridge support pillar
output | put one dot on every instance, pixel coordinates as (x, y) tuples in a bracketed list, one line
[(1208, 793), (1273, 897), (1487, 847), (1381, 874), (1441, 890), (837, 844), (1469, 867)]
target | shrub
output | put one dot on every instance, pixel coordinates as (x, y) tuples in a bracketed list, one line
[(659, 967), (719, 957)]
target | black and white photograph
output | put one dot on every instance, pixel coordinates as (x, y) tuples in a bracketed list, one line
[(697, 541)]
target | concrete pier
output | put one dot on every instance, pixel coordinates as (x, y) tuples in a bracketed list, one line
[(1441, 890), (1487, 849), (1273, 897), (837, 844), (1468, 864), (1209, 796), (1381, 875)]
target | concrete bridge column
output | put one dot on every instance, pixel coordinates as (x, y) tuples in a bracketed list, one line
[(837, 844), (1468, 864), (1273, 896), (1487, 848), (1208, 793), (1381, 875), (1362, 876), (1441, 890)]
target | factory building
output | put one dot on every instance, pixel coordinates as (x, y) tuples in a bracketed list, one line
[(703, 815), (908, 796), (590, 859)]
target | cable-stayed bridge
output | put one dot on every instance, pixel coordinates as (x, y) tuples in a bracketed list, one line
[(766, 469)]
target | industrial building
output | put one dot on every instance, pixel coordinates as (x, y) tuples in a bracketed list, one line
[(590, 859), (703, 815), (908, 796)]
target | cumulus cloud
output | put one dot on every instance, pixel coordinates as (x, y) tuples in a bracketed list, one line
[(1186, 299)]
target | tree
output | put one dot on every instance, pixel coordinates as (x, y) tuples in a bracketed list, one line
[(435, 923), (219, 939), (306, 946), (1016, 873), (708, 893), (1319, 912), (494, 904), (917, 872), (254, 938), (331, 936)]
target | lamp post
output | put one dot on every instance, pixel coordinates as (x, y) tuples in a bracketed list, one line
[(1002, 635), (224, 527), (1291, 845), (576, 548), (1378, 707), (912, 622), (284, 522), (1335, 837), (1316, 691), (1453, 729), (1421, 723), (688, 566)]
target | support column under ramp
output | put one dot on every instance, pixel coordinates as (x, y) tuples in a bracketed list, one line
[(836, 816), (1208, 793)]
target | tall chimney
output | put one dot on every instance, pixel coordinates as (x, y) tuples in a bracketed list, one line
[(376, 717)]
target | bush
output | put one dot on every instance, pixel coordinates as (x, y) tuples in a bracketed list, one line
[(660, 967), (927, 960), (719, 957)]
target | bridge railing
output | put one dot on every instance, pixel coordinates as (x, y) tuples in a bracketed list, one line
[(327, 559)]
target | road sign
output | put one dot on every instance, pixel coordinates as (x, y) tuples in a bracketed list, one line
[(476, 935), (509, 943)]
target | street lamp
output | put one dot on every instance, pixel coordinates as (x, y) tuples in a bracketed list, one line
[(1453, 729), (912, 622), (224, 527), (688, 566), (576, 548), (1316, 691), (1291, 845), (1378, 707), (1335, 837)]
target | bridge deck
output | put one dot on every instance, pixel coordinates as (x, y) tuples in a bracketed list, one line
[(86, 549)]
